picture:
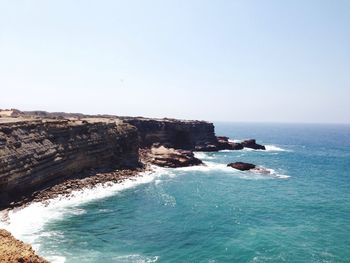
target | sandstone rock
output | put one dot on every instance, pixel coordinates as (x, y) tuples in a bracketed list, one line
[(13, 250), (169, 157), (172, 133), (35, 153)]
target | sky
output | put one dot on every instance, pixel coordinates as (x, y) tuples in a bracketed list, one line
[(251, 61)]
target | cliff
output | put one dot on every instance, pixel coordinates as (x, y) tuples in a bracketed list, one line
[(39, 149), (172, 133), (37, 153)]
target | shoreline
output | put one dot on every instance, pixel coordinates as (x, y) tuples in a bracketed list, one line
[(64, 194), (66, 188), (72, 159)]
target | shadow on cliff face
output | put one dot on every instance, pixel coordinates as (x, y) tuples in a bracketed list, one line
[(182, 140)]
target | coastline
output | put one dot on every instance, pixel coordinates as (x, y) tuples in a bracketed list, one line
[(59, 197), (49, 164)]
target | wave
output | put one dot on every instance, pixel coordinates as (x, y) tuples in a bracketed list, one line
[(27, 223), (136, 258), (269, 148), (271, 173), (56, 259), (274, 148), (213, 166), (207, 167), (203, 155), (234, 140)]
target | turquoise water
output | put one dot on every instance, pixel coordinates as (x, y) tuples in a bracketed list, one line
[(215, 214)]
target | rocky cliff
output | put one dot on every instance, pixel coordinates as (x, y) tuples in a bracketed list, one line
[(172, 133), (34, 153), (40, 149)]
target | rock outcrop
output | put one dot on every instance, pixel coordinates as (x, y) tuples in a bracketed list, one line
[(13, 250), (252, 145), (37, 153), (170, 157), (172, 133), (39, 149), (225, 144), (249, 167), (242, 166)]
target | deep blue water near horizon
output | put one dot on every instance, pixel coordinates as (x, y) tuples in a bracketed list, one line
[(218, 214)]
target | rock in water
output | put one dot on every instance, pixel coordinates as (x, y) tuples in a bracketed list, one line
[(252, 145), (249, 167), (13, 250), (169, 157), (224, 144), (242, 166)]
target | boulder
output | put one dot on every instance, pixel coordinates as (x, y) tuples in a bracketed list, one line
[(242, 166), (169, 157), (249, 167), (252, 145), (224, 144)]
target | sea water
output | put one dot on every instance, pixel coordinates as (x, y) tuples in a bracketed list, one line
[(298, 213)]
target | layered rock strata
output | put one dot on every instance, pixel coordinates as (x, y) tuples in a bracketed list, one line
[(170, 157), (40, 149), (172, 133), (34, 154)]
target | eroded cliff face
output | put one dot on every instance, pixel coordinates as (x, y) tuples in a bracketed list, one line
[(37, 152), (172, 133)]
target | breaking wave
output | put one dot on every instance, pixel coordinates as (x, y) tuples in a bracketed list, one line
[(27, 223)]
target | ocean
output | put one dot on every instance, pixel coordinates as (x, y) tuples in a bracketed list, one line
[(298, 213)]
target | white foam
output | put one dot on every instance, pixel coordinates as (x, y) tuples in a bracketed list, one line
[(203, 156), (234, 140), (26, 223), (213, 166), (228, 151), (268, 147), (273, 148), (136, 258), (208, 166), (271, 173), (56, 259)]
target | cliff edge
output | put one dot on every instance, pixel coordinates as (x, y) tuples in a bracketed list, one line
[(37, 153), (13, 250)]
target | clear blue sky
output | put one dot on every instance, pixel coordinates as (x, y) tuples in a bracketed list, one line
[(275, 61)]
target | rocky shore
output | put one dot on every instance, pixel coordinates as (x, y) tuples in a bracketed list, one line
[(15, 251), (47, 155)]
